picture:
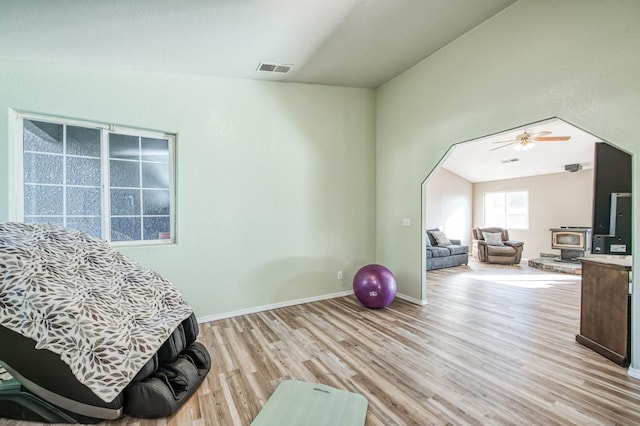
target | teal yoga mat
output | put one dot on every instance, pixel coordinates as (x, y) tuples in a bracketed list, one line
[(296, 403)]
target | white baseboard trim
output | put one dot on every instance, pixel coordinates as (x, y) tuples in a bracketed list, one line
[(413, 300), (634, 372), (225, 315), (263, 308)]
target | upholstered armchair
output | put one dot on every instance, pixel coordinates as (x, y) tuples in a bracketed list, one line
[(494, 246)]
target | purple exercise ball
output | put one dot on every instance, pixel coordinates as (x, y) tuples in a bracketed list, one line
[(375, 286)]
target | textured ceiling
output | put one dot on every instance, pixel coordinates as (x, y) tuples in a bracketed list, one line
[(360, 43)]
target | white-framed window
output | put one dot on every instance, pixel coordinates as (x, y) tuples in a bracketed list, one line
[(114, 183), (507, 209)]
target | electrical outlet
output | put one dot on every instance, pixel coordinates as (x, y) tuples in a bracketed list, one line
[(339, 275)]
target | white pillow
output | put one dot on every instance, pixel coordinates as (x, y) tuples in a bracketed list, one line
[(441, 238), (493, 239)]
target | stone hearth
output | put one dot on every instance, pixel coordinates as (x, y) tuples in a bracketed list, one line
[(552, 263)]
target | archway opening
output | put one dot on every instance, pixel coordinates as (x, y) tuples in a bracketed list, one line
[(556, 175)]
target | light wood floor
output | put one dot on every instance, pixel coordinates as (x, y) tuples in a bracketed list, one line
[(495, 345)]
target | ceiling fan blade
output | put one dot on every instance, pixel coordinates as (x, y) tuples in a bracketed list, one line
[(509, 141), (498, 147), (552, 138), (542, 133)]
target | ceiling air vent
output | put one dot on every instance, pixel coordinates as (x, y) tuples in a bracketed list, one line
[(511, 160), (270, 67)]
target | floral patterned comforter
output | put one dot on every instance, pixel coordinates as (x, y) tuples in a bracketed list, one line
[(104, 314)]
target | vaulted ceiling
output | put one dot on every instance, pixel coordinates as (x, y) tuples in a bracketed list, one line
[(490, 158), (360, 43)]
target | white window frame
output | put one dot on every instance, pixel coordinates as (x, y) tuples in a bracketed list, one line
[(16, 170), (505, 224)]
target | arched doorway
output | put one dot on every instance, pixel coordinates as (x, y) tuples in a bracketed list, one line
[(452, 194)]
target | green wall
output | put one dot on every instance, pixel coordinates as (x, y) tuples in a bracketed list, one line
[(575, 59), (282, 185), (275, 182)]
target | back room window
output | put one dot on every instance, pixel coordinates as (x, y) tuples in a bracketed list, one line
[(506, 209)]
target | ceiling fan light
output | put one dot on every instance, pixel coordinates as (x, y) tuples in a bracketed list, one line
[(524, 146)]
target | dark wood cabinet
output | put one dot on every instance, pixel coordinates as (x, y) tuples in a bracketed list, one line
[(605, 320)]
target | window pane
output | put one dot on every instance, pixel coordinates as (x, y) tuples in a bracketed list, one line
[(155, 175), (42, 137), (63, 178), (155, 202), (83, 171), (156, 228), (124, 147), (517, 200), (90, 225), (83, 141), (517, 221), (83, 201), (124, 174), (518, 209), (507, 209), (155, 150), (42, 168), (125, 202), (125, 229), (53, 220), (494, 209), (43, 200)]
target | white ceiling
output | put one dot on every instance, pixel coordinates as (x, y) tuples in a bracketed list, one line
[(475, 161), (360, 43)]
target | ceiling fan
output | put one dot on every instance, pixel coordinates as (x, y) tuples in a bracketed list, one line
[(525, 141)]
